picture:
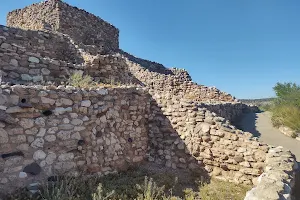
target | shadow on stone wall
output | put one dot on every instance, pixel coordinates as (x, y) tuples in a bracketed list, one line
[(44, 43), (38, 57), (182, 134), (49, 131), (166, 147), (296, 189), (248, 124)]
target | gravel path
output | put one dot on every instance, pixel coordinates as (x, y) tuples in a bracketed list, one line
[(259, 124)]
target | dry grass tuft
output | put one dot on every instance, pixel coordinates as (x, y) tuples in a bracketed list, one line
[(135, 184), (217, 190)]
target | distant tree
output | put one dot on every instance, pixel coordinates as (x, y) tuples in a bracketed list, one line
[(288, 92)]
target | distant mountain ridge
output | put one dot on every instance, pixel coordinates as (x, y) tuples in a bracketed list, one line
[(257, 102)]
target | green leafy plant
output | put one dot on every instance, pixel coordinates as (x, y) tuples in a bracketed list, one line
[(62, 189), (131, 185), (189, 194), (287, 115), (287, 93), (78, 80), (286, 109), (217, 190), (149, 190)]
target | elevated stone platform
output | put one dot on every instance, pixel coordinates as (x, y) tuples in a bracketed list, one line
[(57, 16)]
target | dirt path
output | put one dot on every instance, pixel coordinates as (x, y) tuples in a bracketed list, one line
[(260, 125)]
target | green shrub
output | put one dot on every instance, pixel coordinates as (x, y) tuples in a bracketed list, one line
[(286, 109), (149, 190), (287, 93), (78, 80), (189, 194), (217, 190), (86, 81), (64, 188), (266, 107), (130, 185), (287, 115)]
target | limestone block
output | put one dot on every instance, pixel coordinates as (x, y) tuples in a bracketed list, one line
[(66, 157), (39, 155), (50, 138), (38, 143), (26, 77), (47, 100), (3, 136), (26, 123), (86, 103), (51, 157), (33, 59)]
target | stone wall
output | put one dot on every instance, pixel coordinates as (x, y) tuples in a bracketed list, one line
[(41, 57), (185, 135), (39, 16), (176, 81), (110, 69), (147, 64), (46, 130), (45, 44), (88, 29), (81, 26), (231, 111), (278, 180), (18, 45)]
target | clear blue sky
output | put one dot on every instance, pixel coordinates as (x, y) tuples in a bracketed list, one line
[(242, 47)]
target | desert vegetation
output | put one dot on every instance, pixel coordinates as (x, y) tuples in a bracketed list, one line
[(82, 81), (79, 80), (286, 106), (135, 184)]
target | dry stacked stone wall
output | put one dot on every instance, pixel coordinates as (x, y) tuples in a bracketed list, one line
[(47, 130), (39, 16), (173, 121), (56, 15), (278, 180), (44, 44), (231, 111), (176, 81), (183, 134), (190, 128), (42, 57), (88, 29)]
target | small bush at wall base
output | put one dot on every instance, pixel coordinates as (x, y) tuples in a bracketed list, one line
[(217, 190), (287, 115), (149, 190), (131, 185)]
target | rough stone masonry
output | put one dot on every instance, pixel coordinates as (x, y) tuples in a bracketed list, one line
[(149, 113), (46, 130)]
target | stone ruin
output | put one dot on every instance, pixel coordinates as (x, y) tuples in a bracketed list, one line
[(156, 114)]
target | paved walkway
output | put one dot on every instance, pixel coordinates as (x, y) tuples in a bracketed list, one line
[(260, 125)]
